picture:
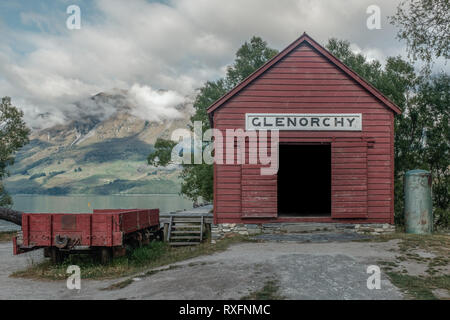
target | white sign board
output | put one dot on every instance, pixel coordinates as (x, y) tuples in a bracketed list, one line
[(304, 121)]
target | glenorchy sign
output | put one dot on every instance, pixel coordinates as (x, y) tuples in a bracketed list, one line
[(304, 121)]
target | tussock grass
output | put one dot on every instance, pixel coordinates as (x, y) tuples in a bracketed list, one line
[(6, 236)]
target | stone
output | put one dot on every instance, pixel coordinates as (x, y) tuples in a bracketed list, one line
[(271, 225)]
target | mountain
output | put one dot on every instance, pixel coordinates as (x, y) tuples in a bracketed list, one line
[(102, 151)]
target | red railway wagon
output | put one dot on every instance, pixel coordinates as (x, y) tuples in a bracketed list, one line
[(106, 232)]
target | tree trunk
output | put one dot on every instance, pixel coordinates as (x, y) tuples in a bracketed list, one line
[(11, 216)]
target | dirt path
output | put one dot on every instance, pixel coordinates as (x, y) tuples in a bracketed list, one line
[(335, 270)]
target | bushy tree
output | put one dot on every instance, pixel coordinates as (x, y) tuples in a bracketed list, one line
[(433, 113), (13, 136), (425, 25), (422, 136)]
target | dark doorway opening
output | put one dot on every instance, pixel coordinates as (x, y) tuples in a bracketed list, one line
[(304, 180)]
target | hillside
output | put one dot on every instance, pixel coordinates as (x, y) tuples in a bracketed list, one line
[(91, 155)]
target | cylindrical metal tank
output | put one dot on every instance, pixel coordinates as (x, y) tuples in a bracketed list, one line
[(418, 203)]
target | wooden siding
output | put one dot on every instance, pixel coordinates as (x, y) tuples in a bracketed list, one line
[(305, 81), (349, 178), (259, 193)]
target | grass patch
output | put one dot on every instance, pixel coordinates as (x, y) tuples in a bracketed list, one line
[(6, 236), (419, 287), (268, 292), (416, 240), (155, 255), (119, 285), (436, 243)]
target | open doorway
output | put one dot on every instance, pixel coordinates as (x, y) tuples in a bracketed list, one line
[(304, 180)]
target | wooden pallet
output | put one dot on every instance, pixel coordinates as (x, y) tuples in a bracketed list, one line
[(185, 230)]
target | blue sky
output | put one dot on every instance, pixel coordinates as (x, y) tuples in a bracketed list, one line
[(12, 13), (142, 46)]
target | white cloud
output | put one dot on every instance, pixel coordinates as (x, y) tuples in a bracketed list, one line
[(145, 46), (154, 105)]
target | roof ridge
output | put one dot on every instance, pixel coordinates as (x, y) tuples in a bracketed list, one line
[(316, 46)]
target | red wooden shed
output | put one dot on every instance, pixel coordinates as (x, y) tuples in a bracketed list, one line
[(336, 143)]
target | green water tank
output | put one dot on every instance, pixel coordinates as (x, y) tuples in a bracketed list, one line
[(418, 203)]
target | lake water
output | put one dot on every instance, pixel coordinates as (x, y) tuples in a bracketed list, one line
[(85, 204)]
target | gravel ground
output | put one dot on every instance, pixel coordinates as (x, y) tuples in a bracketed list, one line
[(331, 270)]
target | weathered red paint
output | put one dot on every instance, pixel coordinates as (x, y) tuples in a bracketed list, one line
[(102, 228), (306, 78)]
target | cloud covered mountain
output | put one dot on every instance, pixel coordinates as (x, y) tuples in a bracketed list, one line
[(103, 149)]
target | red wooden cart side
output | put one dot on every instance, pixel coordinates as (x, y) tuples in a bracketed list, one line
[(83, 231)]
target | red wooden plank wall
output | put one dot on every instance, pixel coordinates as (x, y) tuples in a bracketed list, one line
[(362, 162)]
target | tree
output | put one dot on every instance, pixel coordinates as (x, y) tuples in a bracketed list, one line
[(425, 25), (422, 137), (13, 136), (198, 178), (433, 101), (249, 58)]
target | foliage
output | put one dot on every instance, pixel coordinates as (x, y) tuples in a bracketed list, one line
[(249, 57), (425, 25), (163, 157), (422, 136), (198, 179), (13, 136)]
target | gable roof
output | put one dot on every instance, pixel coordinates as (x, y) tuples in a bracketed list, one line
[(304, 38)]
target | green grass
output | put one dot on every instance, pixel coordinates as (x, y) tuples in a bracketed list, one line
[(155, 255), (268, 292), (420, 287), (6, 236)]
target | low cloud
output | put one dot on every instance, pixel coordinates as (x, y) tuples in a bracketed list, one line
[(155, 105)]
